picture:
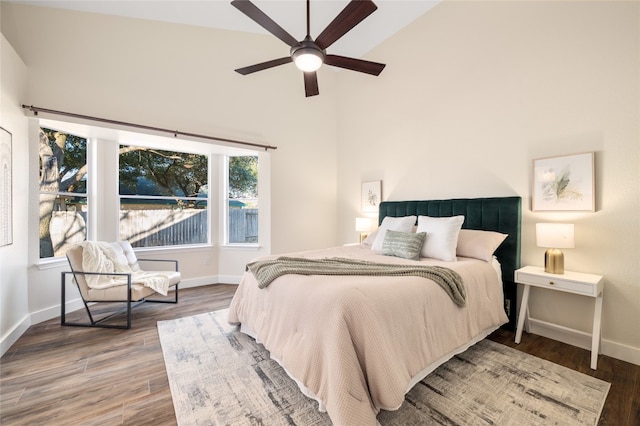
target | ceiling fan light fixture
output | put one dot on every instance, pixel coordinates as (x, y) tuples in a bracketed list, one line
[(308, 59), (307, 56)]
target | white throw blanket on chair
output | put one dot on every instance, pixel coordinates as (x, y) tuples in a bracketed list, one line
[(99, 256)]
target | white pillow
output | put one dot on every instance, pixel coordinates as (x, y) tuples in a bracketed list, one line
[(400, 224), (442, 236), (479, 244), (370, 238)]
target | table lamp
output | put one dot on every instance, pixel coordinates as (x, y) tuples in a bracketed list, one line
[(363, 226), (554, 236)]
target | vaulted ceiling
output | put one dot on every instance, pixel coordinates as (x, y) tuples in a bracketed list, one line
[(391, 16)]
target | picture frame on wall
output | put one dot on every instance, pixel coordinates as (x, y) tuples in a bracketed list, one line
[(564, 183), (6, 174), (371, 196)]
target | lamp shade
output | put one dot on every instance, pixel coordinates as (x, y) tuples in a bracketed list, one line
[(555, 235), (363, 224)]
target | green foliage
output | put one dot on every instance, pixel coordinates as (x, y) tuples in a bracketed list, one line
[(146, 171), (71, 154), (243, 176)]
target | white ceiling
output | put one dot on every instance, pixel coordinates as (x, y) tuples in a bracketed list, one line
[(391, 16)]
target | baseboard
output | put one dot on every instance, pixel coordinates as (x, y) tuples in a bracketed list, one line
[(54, 311), (583, 340), (213, 279), (12, 336), (228, 279)]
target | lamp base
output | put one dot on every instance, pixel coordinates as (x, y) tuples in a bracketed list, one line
[(553, 261), (363, 236)]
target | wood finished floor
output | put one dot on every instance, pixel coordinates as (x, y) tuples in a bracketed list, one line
[(57, 375)]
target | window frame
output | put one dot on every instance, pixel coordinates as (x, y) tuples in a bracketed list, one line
[(103, 194), (227, 199), (208, 199), (87, 195)]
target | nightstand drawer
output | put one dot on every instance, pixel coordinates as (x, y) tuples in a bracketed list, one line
[(556, 283)]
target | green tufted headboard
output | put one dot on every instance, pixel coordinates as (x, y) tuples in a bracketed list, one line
[(501, 214)]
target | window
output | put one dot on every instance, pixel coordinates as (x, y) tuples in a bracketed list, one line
[(242, 203), (63, 191), (156, 192), (163, 197)]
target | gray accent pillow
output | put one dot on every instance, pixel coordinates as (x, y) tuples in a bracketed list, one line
[(403, 244)]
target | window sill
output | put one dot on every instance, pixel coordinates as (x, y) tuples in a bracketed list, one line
[(57, 262), (51, 263), (241, 247)]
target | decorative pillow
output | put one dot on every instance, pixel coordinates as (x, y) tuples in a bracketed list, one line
[(479, 244), (442, 236), (400, 224), (403, 244)]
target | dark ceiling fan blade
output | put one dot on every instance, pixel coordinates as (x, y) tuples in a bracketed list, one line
[(264, 65), (354, 13), (311, 84), (252, 11), (360, 65)]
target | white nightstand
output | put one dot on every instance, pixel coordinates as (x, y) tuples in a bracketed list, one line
[(571, 282)]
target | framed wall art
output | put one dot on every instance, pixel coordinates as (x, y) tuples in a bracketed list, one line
[(371, 196), (564, 183), (6, 220)]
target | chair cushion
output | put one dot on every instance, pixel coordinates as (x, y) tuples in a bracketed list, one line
[(138, 292), (118, 293), (126, 254)]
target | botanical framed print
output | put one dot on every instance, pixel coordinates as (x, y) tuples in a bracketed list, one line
[(371, 196), (6, 225), (564, 183)]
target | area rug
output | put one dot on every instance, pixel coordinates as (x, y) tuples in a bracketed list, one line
[(220, 376)]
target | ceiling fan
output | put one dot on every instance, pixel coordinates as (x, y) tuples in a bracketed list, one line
[(309, 54)]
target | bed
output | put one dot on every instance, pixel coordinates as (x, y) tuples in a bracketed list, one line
[(358, 343)]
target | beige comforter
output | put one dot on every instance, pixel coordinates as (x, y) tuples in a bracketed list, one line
[(356, 344)]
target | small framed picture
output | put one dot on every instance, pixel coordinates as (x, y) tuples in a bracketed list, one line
[(564, 183), (371, 196)]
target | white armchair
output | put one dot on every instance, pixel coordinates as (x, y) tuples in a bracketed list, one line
[(117, 278)]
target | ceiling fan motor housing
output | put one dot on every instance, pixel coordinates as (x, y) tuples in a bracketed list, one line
[(307, 52)]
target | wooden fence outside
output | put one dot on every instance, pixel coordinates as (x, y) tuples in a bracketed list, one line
[(243, 225), (155, 228)]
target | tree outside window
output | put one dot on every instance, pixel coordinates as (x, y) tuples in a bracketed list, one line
[(242, 191), (63, 191)]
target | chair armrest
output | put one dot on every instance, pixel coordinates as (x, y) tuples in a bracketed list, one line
[(175, 262), (122, 274), (111, 274)]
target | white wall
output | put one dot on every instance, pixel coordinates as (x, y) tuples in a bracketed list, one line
[(472, 93), (178, 76), (14, 311)]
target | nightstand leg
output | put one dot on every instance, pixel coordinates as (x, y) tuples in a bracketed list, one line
[(595, 338), (524, 306)]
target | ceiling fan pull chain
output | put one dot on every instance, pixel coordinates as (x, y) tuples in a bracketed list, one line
[(308, 20)]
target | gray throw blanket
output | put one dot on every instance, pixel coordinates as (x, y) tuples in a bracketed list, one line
[(266, 271)]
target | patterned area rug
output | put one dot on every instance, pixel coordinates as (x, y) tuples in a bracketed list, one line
[(220, 376)]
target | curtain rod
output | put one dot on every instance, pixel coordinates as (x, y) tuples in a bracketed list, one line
[(175, 133)]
